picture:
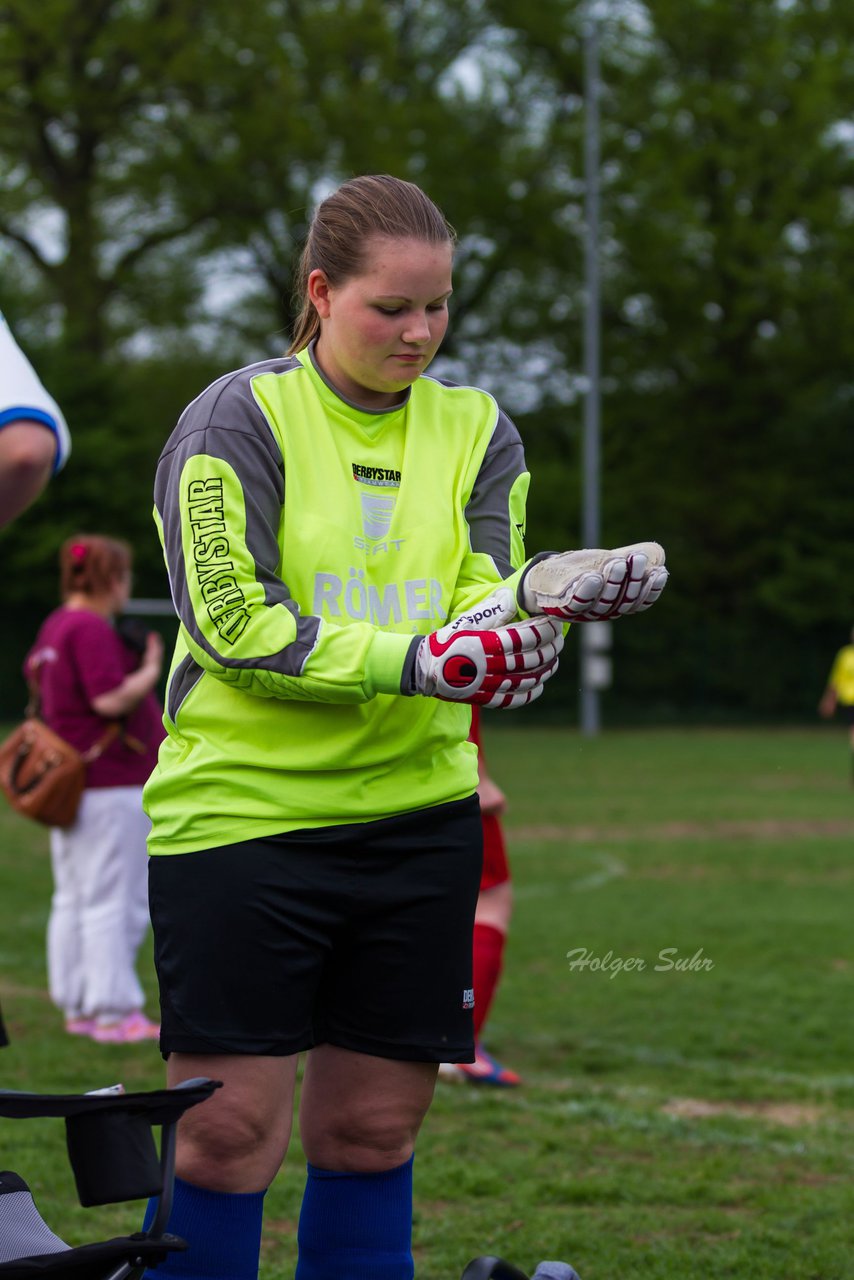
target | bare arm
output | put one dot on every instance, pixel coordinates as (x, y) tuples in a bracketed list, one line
[(120, 701), (27, 454), (827, 706), (492, 798)]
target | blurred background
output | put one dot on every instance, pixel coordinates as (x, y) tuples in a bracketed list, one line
[(159, 162)]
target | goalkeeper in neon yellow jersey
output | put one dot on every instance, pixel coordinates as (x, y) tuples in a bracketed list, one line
[(344, 539)]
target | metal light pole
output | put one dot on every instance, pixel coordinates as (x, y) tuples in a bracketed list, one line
[(595, 673)]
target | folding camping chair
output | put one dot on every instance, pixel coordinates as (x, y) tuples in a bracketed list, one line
[(114, 1158)]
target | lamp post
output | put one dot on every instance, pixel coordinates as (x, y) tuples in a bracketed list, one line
[(595, 637)]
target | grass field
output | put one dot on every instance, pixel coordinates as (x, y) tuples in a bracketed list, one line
[(689, 1101)]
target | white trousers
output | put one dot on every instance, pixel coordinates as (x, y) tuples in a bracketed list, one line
[(99, 909)]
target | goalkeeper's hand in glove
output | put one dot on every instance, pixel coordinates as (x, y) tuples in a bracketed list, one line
[(592, 586), (480, 658)]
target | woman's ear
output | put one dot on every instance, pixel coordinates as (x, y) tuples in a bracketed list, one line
[(319, 291)]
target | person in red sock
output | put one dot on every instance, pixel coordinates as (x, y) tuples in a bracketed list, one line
[(491, 924)]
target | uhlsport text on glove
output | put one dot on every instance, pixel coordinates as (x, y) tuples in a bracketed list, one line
[(477, 658)]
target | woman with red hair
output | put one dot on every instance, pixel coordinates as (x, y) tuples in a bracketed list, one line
[(95, 689)]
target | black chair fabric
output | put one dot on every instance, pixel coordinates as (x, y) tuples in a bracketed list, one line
[(114, 1158), (92, 1261), (160, 1106)]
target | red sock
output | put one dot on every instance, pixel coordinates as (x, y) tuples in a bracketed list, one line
[(488, 953)]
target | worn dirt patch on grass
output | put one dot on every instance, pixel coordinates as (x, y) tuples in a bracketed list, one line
[(12, 989), (790, 1114)]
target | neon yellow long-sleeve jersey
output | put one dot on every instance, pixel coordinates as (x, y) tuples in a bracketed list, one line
[(309, 543)]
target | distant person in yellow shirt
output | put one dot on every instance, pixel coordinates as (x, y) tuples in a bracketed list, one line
[(839, 693)]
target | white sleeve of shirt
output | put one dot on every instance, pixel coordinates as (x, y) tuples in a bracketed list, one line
[(23, 398)]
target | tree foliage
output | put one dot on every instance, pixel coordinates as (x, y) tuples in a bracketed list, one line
[(158, 165), (727, 184)]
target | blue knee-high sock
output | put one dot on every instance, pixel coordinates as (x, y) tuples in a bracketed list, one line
[(357, 1225), (222, 1230)]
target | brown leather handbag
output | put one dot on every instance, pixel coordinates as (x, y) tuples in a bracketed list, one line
[(42, 775)]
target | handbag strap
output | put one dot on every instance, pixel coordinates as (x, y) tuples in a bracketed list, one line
[(113, 730), (34, 702), (98, 748)]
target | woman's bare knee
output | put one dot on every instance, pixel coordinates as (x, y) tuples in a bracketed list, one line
[(237, 1140), (362, 1114)]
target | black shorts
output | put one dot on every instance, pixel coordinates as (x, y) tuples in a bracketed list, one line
[(845, 711), (357, 935)]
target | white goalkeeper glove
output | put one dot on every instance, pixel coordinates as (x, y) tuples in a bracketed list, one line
[(592, 586), (482, 658)]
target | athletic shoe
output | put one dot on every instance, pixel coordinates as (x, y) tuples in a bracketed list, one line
[(484, 1070), (491, 1268), (80, 1026), (555, 1271), (133, 1027)]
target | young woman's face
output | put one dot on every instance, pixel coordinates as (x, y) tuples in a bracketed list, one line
[(381, 329)]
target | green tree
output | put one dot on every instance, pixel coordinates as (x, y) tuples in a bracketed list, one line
[(161, 140), (161, 146), (729, 343), (727, 177), (164, 155)]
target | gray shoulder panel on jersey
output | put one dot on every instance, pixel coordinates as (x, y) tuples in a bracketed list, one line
[(226, 422), (488, 508), (187, 675)]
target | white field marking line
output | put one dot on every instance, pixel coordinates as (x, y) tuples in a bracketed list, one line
[(757, 829), (585, 1095), (707, 1066), (789, 1113), (609, 868), (657, 1122), (693, 1133)]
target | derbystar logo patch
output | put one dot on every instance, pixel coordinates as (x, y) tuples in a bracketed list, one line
[(383, 476), (218, 585)]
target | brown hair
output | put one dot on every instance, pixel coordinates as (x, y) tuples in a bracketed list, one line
[(90, 563), (371, 205)]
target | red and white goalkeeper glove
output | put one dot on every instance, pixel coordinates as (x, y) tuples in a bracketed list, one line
[(481, 658), (592, 586)]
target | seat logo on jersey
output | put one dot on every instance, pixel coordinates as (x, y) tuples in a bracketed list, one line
[(377, 512)]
